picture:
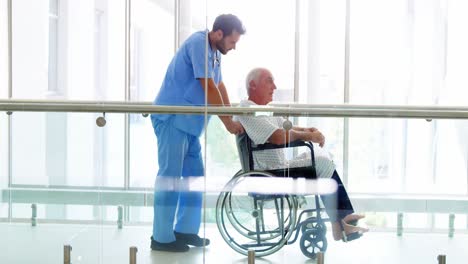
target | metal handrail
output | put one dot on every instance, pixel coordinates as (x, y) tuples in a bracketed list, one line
[(310, 110)]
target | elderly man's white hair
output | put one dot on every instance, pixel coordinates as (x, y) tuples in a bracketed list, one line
[(253, 75)]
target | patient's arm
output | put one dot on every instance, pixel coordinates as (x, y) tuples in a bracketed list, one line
[(311, 129), (281, 136)]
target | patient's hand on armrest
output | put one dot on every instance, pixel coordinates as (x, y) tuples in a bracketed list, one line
[(317, 137), (311, 129), (281, 136)]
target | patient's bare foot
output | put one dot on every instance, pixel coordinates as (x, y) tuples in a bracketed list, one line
[(347, 227)]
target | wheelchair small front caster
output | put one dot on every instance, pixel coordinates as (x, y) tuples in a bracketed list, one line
[(314, 225), (312, 242)]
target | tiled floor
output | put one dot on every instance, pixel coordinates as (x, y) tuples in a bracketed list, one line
[(21, 243)]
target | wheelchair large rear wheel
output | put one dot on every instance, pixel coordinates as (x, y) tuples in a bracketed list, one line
[(254, 221)]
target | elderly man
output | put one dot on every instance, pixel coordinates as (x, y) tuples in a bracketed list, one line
[(260, 86)]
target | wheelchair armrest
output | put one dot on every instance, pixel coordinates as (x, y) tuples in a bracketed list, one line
[(293, 144)]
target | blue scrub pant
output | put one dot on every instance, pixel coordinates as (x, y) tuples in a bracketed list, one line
[(179, 157)]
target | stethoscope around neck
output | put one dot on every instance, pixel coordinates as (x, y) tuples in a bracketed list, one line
[(216, 59)]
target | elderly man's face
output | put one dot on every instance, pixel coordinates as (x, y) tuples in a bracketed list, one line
[(265, 88)]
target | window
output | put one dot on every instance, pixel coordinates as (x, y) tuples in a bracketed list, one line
[(410, 54), (53, 46), (135, 71), (77, 55), (152, 48), (4, 50), (321, 67)]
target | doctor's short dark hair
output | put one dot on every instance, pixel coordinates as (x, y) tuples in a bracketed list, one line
[(227, 23)]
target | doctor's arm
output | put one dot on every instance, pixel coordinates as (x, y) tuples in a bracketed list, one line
[(217, 96)]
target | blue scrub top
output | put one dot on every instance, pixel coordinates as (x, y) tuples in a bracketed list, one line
[(181, 86)]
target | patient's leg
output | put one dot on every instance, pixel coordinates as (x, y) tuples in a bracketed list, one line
[(340, 210), (337, 204)]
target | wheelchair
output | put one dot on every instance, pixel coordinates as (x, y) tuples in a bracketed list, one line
[(263, 222)]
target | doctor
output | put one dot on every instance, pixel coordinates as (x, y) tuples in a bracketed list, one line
[(177, 213)]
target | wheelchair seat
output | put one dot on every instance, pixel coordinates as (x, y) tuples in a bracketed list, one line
[(266, 222), (246, 148)]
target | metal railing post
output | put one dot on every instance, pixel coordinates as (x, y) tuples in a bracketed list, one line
[(251, 257), (120, 217), (33, 215), (451, 225), (320, 258), (400, 224), (442, 259), (67, 254), (133, 255)]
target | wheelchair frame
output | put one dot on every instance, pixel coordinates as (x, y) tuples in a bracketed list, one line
[(247, 227)]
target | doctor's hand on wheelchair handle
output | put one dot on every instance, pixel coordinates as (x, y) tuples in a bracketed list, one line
[(234, 127)]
